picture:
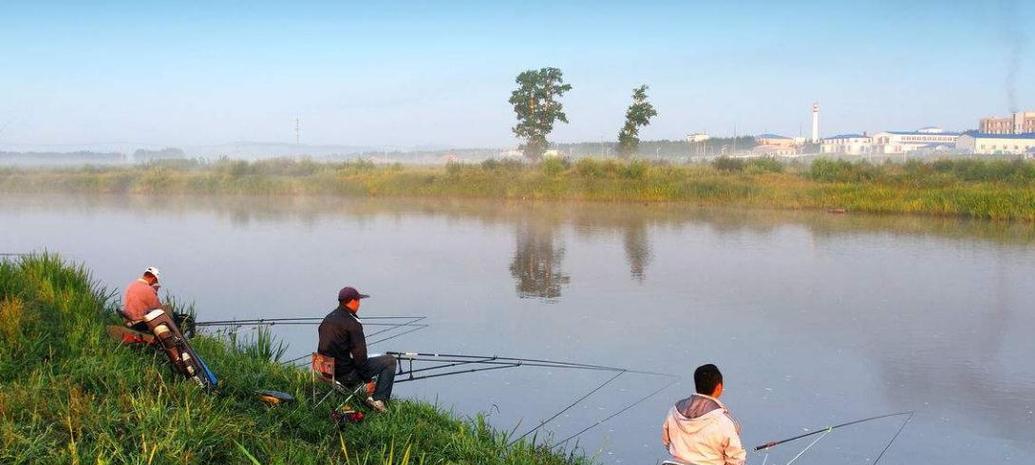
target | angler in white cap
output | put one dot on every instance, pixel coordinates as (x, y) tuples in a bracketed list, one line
[(141, 296)]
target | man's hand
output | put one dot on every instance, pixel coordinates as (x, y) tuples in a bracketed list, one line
[(370, 388)]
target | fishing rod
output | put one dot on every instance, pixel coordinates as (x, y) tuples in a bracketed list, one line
[(305, 320), (829, 429), (496, 360), (772, 444)]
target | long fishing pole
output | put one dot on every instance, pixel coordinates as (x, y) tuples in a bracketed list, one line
[(772, 444), (489, 359), (305, 320)]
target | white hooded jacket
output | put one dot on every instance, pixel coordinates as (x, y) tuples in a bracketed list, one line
[(700, 431)]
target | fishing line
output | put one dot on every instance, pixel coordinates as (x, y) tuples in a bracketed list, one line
[(893, 438), (569, 438), (806, 449), (565, 409), (413, 329), (412, 322)]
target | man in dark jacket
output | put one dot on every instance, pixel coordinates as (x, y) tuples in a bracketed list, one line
[(341, 337)]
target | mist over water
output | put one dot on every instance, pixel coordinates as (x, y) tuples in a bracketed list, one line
[(813, 318)]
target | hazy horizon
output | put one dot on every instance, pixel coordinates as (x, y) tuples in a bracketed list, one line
[(425, 75)]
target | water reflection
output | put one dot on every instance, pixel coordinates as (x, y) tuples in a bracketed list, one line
[(536, 266), (637, 249)]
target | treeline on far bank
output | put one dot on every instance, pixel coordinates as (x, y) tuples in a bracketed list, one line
[(991, 189)]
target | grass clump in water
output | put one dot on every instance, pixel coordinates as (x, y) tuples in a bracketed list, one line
[(71, 395)]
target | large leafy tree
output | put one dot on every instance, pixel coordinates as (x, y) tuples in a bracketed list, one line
[(638, 114), (537, 105)]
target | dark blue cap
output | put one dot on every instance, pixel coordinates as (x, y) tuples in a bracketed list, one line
[(348, 294)]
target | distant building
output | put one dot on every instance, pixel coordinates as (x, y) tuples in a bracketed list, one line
[(697, 137), (997, 144), (775, 145), (926, 139), (775, 140), (848, 144), (1022, 122), (774, 150)]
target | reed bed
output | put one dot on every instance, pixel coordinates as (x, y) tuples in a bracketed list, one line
[(69, 394), (987, 189)]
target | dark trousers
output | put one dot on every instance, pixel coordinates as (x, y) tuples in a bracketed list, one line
[(382, 367)]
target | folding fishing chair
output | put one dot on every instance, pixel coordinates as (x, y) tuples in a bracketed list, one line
[(323, 371)]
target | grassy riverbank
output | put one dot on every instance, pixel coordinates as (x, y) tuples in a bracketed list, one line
[(999, 190), (68, 394)]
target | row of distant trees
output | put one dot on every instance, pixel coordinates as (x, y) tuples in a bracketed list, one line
[(537, 104)]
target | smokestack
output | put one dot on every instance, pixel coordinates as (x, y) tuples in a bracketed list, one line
[(815, 123), (1015, 42)]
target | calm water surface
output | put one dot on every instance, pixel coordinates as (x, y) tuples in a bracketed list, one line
[(813, 318)]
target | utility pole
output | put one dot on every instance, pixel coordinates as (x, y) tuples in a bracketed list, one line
[(734, 140)]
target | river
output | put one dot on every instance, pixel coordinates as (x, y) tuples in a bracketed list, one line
[(813, 318)]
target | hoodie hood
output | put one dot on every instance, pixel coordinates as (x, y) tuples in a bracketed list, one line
[(698, 411)]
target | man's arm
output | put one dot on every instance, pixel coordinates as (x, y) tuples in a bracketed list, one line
[(665, 439), (734, 451), (155, 302), (359, 346)]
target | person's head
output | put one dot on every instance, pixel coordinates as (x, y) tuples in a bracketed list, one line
[(708, 380), (349, 298), (151, 275)]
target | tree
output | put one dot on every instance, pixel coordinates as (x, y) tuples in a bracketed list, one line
[(638, 114), (536, 103)]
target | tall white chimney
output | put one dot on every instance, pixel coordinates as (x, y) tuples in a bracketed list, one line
[(815, 123)]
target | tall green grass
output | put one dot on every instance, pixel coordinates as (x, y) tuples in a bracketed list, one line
[(70, 395), (990, 189)]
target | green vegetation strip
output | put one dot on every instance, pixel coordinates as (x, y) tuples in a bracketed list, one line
[(69, 394), (989, 189)]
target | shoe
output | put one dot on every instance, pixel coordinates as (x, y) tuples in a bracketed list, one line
[(376, 405)]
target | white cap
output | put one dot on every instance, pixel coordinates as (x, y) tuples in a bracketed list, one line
[(154, 271)]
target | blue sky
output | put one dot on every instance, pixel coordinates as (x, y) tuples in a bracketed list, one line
[(423, 73)]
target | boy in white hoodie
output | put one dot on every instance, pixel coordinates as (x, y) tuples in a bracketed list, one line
[(699, 430)]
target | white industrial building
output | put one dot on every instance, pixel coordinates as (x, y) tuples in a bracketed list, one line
[(848, 144), (997, 144), (923, 140)]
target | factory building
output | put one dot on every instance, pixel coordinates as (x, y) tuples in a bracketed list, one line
[(997, 144), (923, 140), (848, 144), (1021, 122)]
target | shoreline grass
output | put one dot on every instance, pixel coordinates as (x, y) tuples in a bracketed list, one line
[(71, 395), (986, 189)]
